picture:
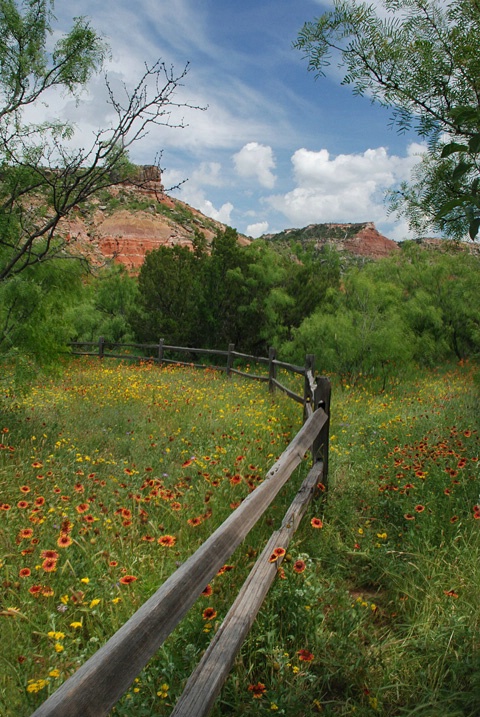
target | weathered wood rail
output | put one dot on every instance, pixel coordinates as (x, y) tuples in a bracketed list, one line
[(100, 682)]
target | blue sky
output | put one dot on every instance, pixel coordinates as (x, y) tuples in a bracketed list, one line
[(274, 147)]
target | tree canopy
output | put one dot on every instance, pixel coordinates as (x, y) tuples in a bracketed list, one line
[(42, 174), (418, 57)]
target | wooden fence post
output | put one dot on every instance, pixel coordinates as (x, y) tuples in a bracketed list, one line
[(160, 350), (101, 347), (231, 349), (307, 387), (272, 369), (321, 399)]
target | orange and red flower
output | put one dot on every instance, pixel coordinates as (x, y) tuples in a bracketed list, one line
[(64, 540), (277, 553), (305, 656), (209, 613), (258, 690), (299, 566), (127, 579)]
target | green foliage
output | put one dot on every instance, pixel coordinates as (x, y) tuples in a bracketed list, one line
[(33, 310), (359, 333), (417, 58), (105, 308), (466, 173), (417, 306), (169, 291)]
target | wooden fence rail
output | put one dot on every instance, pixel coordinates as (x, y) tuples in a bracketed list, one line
[(100, 682), (157, 353)]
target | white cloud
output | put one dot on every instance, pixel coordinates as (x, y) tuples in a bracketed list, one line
[(256, 160), (221, 215), (208, 173), (256, 230), (345, 188)]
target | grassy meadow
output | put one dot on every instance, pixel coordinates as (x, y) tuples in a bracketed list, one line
[(112, 475)]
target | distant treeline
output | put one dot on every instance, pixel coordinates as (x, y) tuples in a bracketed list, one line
[(418, 306)]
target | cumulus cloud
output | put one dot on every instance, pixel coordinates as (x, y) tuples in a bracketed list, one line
[(343, 188), (256, 230), (257, 161), (221, 215)]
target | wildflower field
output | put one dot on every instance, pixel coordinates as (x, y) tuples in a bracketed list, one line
[(113, 475)]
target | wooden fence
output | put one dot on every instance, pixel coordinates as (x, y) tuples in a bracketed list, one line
[(163, 353), (98, 684)]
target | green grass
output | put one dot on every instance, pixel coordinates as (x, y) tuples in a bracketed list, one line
[(116, 457)]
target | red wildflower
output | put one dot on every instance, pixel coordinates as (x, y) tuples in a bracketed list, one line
[(451, 593), (127, 579), (419, 508), (22, 504), (207, 591), (258, 690), (409, 516), (24, 572), (299, 566), (194, 521), (25, 533), (209, 613), (316, 523), (64, 540), (51, 554), (188, 463), (277, 553), (35, 590), (168, 541), (305, 656), (225, 569), (49, 565)]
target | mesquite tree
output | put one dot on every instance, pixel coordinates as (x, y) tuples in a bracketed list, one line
[(42, 174), (420, 58)]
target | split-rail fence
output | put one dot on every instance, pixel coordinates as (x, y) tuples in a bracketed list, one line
[(99, 683)]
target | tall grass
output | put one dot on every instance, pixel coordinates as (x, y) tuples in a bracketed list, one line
[(120, 473)]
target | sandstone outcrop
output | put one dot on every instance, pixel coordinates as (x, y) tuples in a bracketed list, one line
[(134, 219), (370, 243)]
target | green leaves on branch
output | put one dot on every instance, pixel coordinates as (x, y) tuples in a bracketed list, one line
[(419, 58), (467, 170)]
